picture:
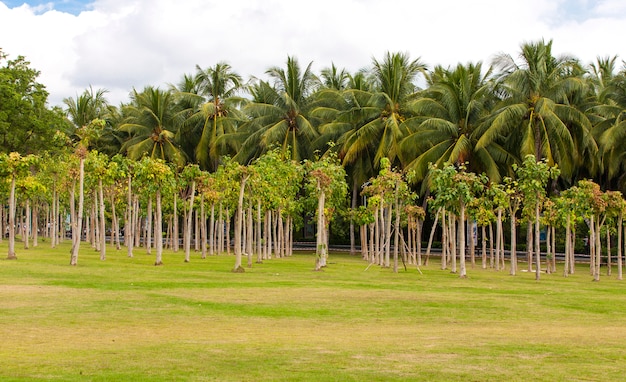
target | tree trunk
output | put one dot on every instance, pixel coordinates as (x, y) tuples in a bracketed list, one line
[(12, 255), (238, 224), (568, 243), (608, 251), (537, 243), (259, 241), (176, 229), (484, 246), (396, 236), (353, 206), (158, 230), (203, 233), (27, 226), (149, 227), (620, 228), (498, 238), (463, 271), (431, 236), (79, 219), (129, 224), (35, 225), (513, 245), (249, 236), (212, 230), (103, 245), (321, 230), (598, 250), (189, 221)]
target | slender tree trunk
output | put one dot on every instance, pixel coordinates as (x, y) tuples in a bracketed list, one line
[(212, 230), (432, 235), (35, 225), (12, 255), (249, 236), (463, 272), (321, 230), (491, 240), (158, 230), (529, 245), (149, 228), (498, 238), (598, 250), (79, 220), (176, 229), (27, 226), (484, 246), (608, 251), (239, 224), (103, 245), (53, 219), (189, 221), (568, 243), (259, 241), (620, 228), (353, 206), (396, 236), (203, 233), (129, 224), (537, 243), (513, 244), (452, 240)]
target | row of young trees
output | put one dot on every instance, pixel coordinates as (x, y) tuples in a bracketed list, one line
[(269, 197), (265, 200)]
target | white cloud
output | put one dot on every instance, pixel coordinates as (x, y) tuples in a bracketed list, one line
[(119, 44)]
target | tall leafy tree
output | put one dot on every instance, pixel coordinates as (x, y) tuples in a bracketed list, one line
[(608, 112), (26, 124), (448, 114), (534, 116), (376, 115), (214, 102), (151, 123), (279, 114), (14, 166)]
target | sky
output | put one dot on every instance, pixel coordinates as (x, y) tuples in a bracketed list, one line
[(121, 45)]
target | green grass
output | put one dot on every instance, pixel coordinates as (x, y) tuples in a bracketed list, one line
[(125, 320)]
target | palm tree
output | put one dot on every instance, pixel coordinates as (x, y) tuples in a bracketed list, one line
[(334, 78), (609, 115), (152, 121), (378, 114), (447, 115), (534, 115), (279, 114), (214, 109)]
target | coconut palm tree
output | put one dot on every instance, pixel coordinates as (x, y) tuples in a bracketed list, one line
[(534, 115), (609, 116), (213, 107), (279, 114), (152, 121), (378, 114), (447, 115)]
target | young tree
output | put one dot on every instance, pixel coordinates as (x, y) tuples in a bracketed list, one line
[(14, 166), (327, 182), (455, 189), (533, 179), (157, 178)]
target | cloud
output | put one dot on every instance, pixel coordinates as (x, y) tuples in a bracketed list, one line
[(120, 45)]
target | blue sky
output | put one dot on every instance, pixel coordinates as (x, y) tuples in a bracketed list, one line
[(119, 45), (70, 6)]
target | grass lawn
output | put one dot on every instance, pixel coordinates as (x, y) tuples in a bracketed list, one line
[(124, 319)]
